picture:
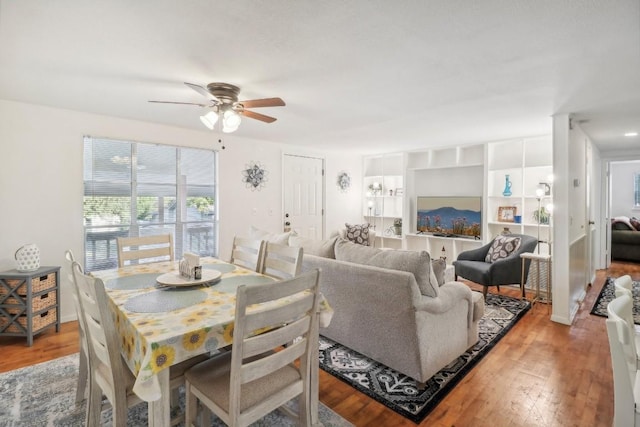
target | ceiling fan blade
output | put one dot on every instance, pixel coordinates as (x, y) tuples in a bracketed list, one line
[(202, 91), (257, 116), (176, 102), (266, 102)]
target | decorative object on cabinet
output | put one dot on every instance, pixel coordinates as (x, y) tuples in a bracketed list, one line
[(397, 226), (507, 186), (344, 181), (29, 302), (541, 215), (254, 176), (443, 254), (507, 213), (506, 231), (28, 257), (375, 189)]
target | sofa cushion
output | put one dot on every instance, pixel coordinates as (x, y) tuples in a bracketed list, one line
[(438, 266), (323, 248), (502, 247), (418, 263), (358, 233), (279, 238)]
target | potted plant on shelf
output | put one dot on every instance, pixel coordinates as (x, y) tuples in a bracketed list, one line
[(397, 226), (542, 215)]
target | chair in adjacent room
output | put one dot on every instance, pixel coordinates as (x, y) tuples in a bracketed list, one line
[(496, 263), (281, 261), (248, 253), (262, 372), (108, 373), (626, 381), (145, 249)]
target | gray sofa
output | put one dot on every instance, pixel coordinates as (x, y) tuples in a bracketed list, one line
[(625, 240), (384, 314)]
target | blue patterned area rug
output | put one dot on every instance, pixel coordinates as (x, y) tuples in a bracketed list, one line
[(401, 393), (608, 293), (44, 395)]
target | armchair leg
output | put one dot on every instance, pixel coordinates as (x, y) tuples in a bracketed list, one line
[(484, 291), (498, 286)]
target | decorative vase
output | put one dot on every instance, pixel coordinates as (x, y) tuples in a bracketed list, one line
[(28, 257), (505, 231), (507, 186)]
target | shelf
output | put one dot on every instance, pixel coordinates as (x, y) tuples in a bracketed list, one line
[(469, 165), (431, 236)]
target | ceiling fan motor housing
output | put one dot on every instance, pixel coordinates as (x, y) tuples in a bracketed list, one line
[(225, 92)]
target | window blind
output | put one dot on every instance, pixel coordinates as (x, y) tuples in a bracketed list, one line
[(139, 189)]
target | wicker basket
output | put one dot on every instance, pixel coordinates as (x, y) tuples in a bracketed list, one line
[(37, 303), (38, 284), (40, 321)]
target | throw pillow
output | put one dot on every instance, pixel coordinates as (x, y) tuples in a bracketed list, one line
[(635, 223), (358, 233), (502, 247), (323, 248), (418, 263), (438, 266), (279, 238)]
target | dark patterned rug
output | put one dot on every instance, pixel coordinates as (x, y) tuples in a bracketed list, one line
[(608, 293), (401, 393), (44, 395)]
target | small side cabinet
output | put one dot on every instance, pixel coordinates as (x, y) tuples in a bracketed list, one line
[(29, 302)]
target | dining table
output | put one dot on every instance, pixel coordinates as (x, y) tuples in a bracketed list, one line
[(161, 324)]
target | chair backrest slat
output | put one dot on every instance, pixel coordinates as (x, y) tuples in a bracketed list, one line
[(247, 253), (282, 261), (156, 247)]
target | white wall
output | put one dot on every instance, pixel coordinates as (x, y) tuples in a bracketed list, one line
[(41, 186), (622, 188)]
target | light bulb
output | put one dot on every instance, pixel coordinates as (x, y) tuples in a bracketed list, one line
[(539, 192), (550, 207)]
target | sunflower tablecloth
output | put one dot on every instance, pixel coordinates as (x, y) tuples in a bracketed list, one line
[(160, 327)]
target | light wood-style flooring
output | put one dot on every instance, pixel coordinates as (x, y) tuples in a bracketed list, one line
[(540, 374)]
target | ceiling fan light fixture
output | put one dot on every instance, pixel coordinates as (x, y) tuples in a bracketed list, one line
[(230, 121), (209, 119)]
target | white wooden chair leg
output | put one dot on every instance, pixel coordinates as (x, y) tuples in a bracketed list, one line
[(83, 373)]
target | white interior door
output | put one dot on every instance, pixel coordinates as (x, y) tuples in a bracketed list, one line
[(303, 188)]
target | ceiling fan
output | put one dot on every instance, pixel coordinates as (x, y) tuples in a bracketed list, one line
[(223, 104)]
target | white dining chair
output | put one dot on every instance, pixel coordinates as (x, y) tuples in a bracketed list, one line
[(108, 373), (145, 249), (248, 253), (282, 261), (83, 355), (260, 373), (626, 377)]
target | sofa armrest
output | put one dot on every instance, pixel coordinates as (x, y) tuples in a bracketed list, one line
[(450, 294)]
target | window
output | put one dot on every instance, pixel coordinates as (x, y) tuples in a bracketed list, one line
[(636, 190), (139, 189)]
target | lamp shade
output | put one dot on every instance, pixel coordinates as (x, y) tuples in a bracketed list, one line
[(230, 121), (209, 119)]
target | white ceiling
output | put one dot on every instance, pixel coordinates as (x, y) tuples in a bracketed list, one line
[(365, 75)]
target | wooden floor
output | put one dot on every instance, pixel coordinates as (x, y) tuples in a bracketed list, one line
[(540, 374)]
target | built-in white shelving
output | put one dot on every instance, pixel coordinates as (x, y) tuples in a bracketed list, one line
[(467, 170)]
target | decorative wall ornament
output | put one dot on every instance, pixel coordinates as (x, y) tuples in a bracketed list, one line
[(344, 181), (254, 176)]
